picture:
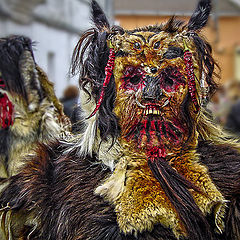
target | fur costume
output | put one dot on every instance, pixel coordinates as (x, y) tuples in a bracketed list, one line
[(147, 163), (29, 110)]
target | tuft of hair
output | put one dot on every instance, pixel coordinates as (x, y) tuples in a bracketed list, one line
[(171, 26), (89, 59), (11, 49), (177, 188), (200, 16), (98, 16), (4, 140)]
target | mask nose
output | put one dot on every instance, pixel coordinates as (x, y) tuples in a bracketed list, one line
[(152, 90), (150, 68)]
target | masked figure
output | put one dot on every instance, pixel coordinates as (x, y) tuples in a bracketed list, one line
[(147, 164), (29, 110)]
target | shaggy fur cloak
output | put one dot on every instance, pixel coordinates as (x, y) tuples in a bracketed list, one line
[(59, 190)]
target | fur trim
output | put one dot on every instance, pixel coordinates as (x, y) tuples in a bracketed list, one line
[(113, 187), (140, 201), (55, 185), (224, 168), (48, 88), (86, 140)]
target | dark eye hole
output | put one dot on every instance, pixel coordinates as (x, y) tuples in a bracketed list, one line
[(156, 45), (135, 80), (173, 52), (168, 81), (137, 45)]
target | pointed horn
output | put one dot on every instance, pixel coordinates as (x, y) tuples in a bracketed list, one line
[(98, 16), (200, 16)]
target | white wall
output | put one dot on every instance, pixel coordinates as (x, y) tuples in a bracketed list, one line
[(54, 46), (54, 42)]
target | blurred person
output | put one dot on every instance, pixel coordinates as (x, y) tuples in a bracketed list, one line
[(29, 110), (232, 123), (149, 164), (232, 89), (218, 106), (70, 100), (30, 113)]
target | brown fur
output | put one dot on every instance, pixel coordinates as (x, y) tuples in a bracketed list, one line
[(60, 189)]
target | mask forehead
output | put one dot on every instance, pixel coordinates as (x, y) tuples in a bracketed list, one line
[(152, 50)]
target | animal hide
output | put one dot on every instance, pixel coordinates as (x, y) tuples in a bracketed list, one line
[(60, 190), (146, 162), (37, 114)]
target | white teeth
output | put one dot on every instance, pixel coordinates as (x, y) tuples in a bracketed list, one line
[(151, 110), (165, 104)]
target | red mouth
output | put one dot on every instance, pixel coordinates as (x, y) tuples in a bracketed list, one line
[(152, 109)]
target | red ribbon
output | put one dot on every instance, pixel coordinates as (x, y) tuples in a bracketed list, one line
[(6, 109), (108, 73), (191, 78)]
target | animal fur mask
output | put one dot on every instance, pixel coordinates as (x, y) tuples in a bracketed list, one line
[(21, 78), (142, 88), (145, 82)]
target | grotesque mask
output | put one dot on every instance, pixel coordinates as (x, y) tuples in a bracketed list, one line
[(155, 73), (152, 83), (147, 86)]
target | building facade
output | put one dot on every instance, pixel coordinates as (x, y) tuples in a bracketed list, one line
[(55, 26)]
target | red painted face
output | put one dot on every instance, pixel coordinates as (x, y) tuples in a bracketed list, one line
[(152, 84), (135, 79)]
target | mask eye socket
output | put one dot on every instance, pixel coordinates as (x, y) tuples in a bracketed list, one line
[(135, 80), (168, 82), (171, 79), (133, 77), (137, 46), (156, 45)]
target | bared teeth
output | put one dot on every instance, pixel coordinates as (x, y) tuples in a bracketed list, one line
[(151, 110), (155, 112)]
